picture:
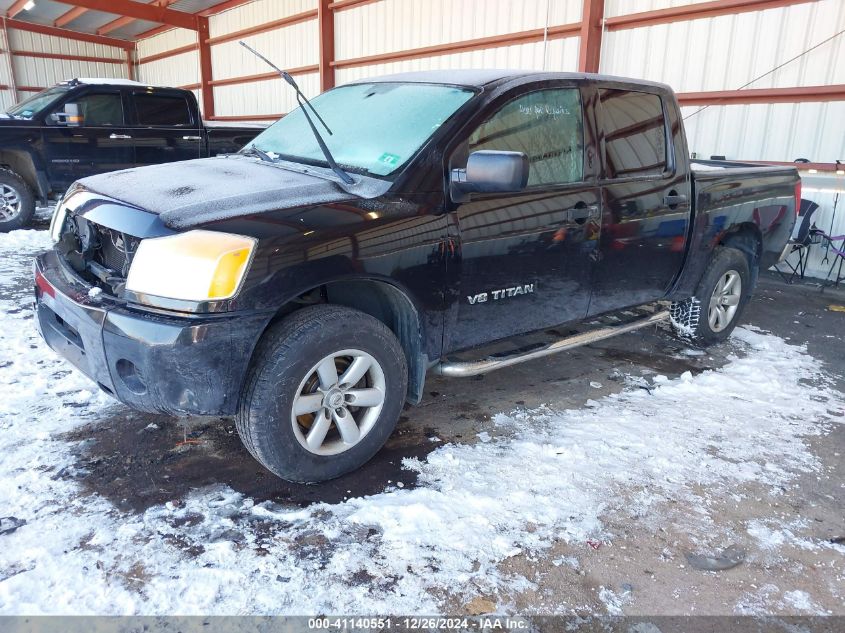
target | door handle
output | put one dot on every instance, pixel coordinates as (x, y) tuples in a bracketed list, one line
[(121, 136), (674, 199), (580, 214), (191, 138)]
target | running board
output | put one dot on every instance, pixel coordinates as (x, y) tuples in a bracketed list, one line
[(464, 369)]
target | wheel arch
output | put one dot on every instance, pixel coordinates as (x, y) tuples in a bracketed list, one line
[(747, 239), (22, 163), (384, 301)]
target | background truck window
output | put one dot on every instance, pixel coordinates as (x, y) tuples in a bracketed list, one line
[(162, 111), (634, 133), (547, 126), (101, 110)]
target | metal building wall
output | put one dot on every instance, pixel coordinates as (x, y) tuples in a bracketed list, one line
[(726, 53), (176, 70), (387, 27), (36, 73)]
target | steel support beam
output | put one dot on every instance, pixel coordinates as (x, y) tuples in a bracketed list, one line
[(206, 70), (325, 21), (20, 25), (592, 28), (16, 8), (140, 11), (803, 94), (125, 20), (69, 16)]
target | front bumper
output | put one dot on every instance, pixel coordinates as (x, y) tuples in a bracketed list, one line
[(180, 365)]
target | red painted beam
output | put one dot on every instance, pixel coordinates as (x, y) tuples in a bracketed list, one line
[(589, 53), (340, 5), (66, 33), (325, 21), (16, 8), (247, 117), (140, 11), (800, 166), (803, 94), (124, 21), (69, 16), (695, 12), (247, 79), (206, 70), (76, 58)]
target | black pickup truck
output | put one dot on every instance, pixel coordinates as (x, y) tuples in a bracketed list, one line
[(307, 285), (83, 127)]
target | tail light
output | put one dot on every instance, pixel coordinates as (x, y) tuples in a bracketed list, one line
[(798, 197)]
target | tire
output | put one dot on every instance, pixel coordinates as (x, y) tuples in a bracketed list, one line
[(17, 202), (291, 367), (709, 316)]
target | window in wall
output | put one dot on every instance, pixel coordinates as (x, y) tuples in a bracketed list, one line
[(161, 110), (100, 110), (634, 133), (546, 126)]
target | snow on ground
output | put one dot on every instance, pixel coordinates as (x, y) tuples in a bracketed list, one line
[(546, 476)]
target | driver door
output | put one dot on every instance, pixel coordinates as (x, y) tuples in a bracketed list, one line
[(94, 142), (526, 257)]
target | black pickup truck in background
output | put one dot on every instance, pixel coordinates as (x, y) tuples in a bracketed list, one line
[(84, 127), (306, 285)]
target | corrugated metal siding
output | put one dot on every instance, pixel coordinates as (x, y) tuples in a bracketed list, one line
[(44, 72), (167, 41), (560, 55), (262, 97), (179, 70), (389, 26), (726, 52), (255, 14), (289, 47), (7, 97)]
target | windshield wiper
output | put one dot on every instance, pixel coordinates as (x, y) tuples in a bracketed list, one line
[(254, 150), (302, 100)]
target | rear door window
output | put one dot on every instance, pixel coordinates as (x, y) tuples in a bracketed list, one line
[(546, 126), (634, 134), (154, 110)]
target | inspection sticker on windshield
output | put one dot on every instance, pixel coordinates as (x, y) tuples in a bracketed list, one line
[(389, 159)]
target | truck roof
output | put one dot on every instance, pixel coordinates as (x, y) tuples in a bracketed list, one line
[(478, 78), (100, 81)]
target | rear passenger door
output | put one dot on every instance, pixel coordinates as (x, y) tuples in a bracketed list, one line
[(166, 128), (525, 257), (646, 208)]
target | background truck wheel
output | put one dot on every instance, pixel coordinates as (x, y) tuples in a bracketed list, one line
[(17, 204), (712, 313), (323, 394)]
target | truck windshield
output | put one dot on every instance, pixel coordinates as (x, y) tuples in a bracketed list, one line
[(376, 127), (28, 108)]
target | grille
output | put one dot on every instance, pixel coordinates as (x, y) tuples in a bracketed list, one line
[(114, 250)]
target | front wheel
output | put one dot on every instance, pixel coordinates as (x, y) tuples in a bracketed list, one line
[(17, 204), (323, 394), (712, 313)]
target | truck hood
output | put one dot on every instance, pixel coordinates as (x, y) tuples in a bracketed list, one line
[(196, 192)]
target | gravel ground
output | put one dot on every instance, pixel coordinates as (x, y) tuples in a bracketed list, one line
[(619, 478)]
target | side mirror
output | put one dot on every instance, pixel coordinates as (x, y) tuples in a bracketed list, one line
[(70, 117), (491, 171)]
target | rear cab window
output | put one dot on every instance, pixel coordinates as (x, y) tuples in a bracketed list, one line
[(159, 110), (547, 126), (634, 126)]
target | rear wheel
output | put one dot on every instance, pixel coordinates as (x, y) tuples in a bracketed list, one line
[(17, 204), (713, 312), (323, 394)]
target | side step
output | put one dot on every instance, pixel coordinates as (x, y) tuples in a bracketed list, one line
[(464, 369)]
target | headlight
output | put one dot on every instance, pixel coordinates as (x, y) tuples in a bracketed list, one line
[(58, 221), (192, 266)]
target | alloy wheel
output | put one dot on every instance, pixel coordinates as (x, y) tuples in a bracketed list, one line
[(338, 402), (724, 301), (10, 203)]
